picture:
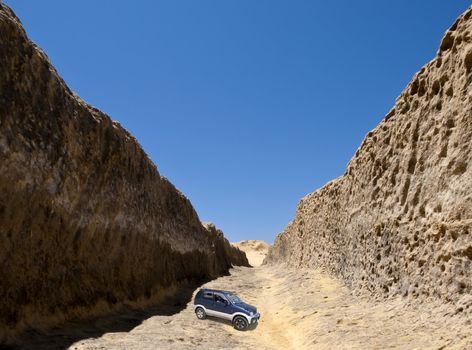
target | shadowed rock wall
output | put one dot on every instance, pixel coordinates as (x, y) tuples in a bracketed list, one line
[(86, 221), (399, 221)]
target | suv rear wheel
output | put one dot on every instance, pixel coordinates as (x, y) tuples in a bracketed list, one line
[(240, 323), (201, 314)]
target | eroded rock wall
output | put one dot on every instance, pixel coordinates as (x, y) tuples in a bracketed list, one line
[(86, 221), (399, 221)]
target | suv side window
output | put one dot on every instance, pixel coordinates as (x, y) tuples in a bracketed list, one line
[(208, 295)]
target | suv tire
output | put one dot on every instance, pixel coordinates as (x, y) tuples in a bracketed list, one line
[(240, 323), (201, 314)]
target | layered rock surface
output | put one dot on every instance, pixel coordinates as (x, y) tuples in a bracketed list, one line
[(399, 221), (86, 221)]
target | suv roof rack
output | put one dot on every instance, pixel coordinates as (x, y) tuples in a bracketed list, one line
[(218, 290)]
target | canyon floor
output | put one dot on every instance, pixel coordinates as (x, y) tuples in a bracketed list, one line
[(300, 309)]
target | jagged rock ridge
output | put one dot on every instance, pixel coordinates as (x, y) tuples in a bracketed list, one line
[(399, 221), (86, 221)]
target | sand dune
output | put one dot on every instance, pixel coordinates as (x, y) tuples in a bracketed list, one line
[(255, 250), (301, 309)]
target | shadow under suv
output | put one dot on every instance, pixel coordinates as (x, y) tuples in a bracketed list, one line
[(226, 305)]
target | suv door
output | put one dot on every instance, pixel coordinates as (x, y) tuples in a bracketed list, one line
[(207, 300), (222, 306)]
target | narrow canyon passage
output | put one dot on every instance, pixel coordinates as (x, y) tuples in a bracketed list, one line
[(90, 226), (300, 309)]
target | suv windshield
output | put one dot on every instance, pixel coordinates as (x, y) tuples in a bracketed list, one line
[(233, 298)]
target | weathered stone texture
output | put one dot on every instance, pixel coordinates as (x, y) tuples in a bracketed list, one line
[(86, 221), (399, 221)]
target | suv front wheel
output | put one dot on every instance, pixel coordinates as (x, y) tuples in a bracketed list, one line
[(201, 315), (240, 323)]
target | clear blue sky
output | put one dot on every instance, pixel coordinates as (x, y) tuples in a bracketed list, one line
[(247, 105)]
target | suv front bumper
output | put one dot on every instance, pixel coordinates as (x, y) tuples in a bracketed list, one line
[(254, 318)]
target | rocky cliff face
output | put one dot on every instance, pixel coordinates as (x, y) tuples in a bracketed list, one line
[(86, 221), (399, 221)]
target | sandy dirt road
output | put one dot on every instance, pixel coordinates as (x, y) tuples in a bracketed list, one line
[(300, 309)]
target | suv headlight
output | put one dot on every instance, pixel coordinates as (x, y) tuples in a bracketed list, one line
[(252, 313)]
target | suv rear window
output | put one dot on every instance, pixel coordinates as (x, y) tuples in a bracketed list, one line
[(208, 295)]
